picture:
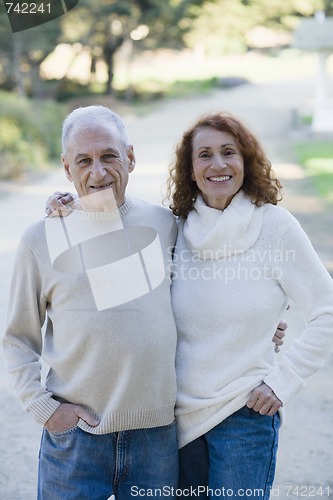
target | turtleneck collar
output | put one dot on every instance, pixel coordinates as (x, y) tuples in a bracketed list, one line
[(214, 233)]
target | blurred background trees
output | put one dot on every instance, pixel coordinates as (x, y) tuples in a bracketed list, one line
[(132, 50), (101, 29), (98, 28)]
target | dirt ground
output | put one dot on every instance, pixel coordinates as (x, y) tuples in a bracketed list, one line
[(305, 460)]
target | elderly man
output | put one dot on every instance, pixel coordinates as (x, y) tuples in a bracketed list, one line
[(100, 281)]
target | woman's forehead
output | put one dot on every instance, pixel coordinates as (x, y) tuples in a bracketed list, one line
[(206, 136)]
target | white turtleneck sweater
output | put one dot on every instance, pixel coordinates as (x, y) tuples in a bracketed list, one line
[(234, 272), (102, 280)]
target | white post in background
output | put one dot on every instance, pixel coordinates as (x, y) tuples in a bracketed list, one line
[(321, 86), (323, 105)]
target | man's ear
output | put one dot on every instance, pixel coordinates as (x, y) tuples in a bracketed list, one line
[(66, 167), (131, 157)]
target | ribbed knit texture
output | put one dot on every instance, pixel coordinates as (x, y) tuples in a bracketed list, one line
[(118, 362), (227, 310)]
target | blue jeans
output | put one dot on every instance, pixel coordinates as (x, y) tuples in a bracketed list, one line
[(81, 466), (235, 459)]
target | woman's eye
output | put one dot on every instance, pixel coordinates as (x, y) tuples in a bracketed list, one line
[(229, 152), (204, 155)]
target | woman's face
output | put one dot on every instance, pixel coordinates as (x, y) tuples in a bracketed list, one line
[(218, 166)]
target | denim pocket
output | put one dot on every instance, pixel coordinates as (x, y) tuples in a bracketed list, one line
[(66, 432)]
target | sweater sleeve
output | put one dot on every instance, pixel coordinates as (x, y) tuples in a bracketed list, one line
[(23, 339), (305, 280)]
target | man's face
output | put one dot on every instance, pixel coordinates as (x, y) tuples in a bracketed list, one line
[(97, 160)]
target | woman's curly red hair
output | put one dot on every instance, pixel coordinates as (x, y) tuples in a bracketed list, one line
[(260, 182)]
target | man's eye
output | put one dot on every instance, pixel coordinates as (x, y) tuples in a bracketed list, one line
[(109, 157), (84, 161)]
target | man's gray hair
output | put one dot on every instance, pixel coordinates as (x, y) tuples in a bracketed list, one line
[(91, 115)]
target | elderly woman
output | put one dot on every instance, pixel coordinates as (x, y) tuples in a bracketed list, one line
[(238, 260)]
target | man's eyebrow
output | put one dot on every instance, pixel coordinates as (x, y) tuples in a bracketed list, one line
[(79, 156), (110, 150)]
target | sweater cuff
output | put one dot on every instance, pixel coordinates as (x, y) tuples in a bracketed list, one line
[(43, 409), (284, 382)]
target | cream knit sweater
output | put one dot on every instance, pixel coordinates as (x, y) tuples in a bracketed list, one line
[(110, 336), (235, 271)]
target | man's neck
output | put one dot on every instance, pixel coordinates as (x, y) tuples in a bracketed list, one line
[(102, 201)]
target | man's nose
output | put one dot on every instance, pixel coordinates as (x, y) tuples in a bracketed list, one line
[(97, 170)]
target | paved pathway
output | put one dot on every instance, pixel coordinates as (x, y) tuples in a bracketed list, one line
[(306, 449)]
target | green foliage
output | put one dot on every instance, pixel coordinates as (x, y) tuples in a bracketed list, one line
[(181, 88), (284, 15), (103, 27), (319, 149), (328, 7), (22, 53), (29, 133), (150, 90), (221, 27), (100, 29), (317, 159)]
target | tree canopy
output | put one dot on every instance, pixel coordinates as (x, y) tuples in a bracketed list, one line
[(101, 28)]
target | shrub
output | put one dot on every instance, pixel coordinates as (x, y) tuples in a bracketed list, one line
[(29, 133)]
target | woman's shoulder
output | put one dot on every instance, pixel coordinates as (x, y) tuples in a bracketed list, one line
[(277, 219), (279, 214)]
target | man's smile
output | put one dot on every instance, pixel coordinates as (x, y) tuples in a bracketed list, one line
[(102, 186)]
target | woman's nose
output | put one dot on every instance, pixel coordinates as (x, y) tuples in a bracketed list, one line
[(219, 162)]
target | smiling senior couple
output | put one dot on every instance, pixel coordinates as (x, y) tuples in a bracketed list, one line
[(101, 279)]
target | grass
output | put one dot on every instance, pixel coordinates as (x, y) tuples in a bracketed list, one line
[(167, 67), (317, 159)]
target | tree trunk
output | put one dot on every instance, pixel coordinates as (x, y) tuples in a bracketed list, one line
[(110, 48), (36, 83), (17, 57), (109, 62), (93, 69)]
